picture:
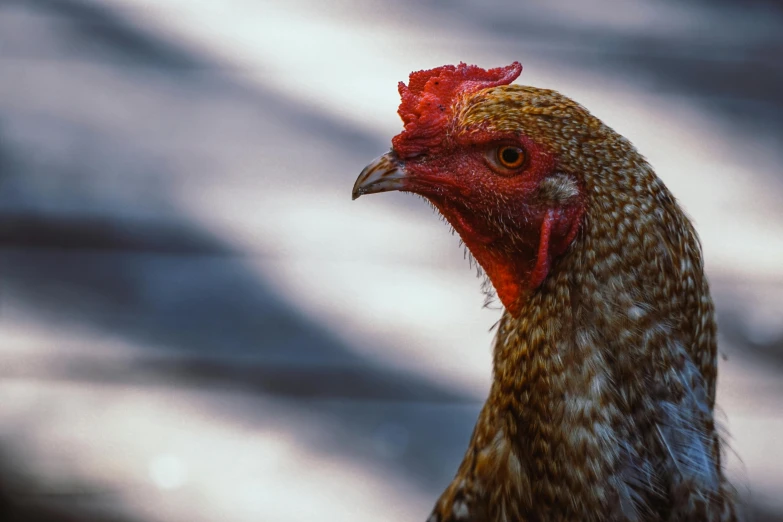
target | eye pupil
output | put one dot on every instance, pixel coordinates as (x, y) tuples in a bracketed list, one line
[(509, 155), (507, 160)]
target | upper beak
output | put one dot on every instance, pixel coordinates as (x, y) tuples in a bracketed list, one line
[(385, 173)]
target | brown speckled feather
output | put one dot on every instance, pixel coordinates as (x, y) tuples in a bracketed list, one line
[(604, 387)]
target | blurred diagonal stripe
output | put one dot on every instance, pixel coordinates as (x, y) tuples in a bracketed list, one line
[(80, 232), (301, 380)]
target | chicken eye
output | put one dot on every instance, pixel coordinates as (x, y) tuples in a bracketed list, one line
[(511, 157)]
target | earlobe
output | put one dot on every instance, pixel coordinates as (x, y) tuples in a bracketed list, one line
[(557, 189)]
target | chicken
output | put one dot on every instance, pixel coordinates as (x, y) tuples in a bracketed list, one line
[(604, 365)]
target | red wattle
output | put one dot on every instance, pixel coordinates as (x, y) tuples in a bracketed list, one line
[(543, 258)]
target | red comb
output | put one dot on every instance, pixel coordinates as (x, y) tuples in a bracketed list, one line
[(428, 99)]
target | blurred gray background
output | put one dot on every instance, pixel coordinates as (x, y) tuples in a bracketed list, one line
[(197, 323)]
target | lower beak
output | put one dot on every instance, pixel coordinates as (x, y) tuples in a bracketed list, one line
[(384, 174)]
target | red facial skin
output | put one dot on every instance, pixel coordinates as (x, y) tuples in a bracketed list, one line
[(512, 234)]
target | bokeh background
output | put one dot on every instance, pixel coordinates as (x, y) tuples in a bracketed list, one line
[(198, 324)]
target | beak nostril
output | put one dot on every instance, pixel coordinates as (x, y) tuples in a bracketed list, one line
[(384, 174)]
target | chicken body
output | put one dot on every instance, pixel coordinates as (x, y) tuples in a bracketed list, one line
[(601, 407)]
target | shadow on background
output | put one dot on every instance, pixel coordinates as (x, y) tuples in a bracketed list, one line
[(73, 256)]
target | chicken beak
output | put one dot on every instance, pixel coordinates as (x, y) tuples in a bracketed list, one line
[(384, 174)]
